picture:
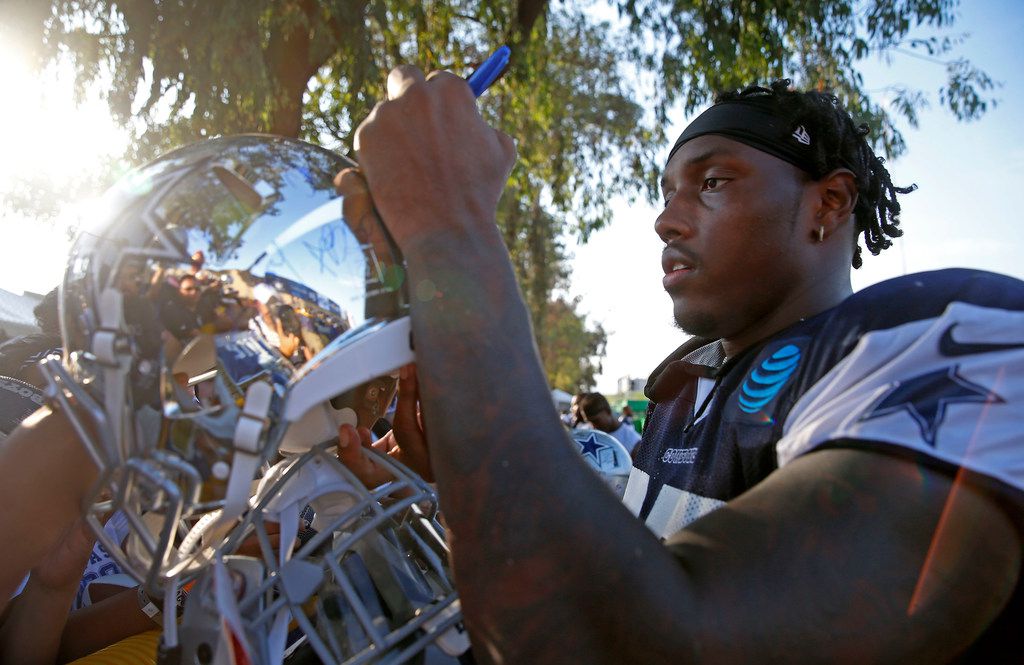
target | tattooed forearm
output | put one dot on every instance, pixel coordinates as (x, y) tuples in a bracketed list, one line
[(515, 494)]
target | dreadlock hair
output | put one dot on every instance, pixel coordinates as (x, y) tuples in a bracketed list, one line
[(839, 142)]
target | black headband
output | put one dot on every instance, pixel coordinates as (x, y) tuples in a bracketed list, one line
[(752, 121)]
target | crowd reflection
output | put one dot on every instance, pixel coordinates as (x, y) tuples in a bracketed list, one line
[(195, 301)]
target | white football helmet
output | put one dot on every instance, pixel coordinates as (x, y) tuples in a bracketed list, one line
[(220, 306), (606, 456), (368, 582)]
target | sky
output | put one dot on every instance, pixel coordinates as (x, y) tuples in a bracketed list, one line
[(965, 212), (46, 136)]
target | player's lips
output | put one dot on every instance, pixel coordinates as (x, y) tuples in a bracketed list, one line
[(677, 266)]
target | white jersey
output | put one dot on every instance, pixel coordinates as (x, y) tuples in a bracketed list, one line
[(949, 389), (101, 564)]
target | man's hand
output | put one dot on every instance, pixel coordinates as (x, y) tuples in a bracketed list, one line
[(62, 566), (429, 158), (406, 442), (31, 629), (251, 545), (360, 215)]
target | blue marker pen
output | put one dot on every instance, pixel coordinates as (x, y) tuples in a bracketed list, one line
[(488, 72)]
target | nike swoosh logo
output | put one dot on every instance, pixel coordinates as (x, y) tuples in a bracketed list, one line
[(951, 348)]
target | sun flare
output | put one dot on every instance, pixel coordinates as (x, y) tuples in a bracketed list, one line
[(49, 142)]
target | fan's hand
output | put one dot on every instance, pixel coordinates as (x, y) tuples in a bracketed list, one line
[(406, 442)]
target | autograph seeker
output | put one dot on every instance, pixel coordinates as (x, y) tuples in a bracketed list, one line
[(893, 414)]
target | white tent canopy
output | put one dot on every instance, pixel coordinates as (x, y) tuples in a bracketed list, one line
[(16, 317), (561, 399)]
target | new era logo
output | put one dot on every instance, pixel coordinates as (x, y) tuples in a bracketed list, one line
[(801, 135)]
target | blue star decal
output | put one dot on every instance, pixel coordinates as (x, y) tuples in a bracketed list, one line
[(926, 397), (591, 446)]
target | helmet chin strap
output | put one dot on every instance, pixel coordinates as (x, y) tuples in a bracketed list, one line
[(248, 439), (212, 528), (112, 353), (317, 483), (306, 479), (235, 646)]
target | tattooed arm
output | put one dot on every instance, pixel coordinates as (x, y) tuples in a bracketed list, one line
[(549, 565)]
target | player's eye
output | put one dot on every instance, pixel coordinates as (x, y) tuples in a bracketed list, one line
[(711, 183)]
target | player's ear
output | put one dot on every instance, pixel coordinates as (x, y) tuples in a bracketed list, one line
[(837, 197)]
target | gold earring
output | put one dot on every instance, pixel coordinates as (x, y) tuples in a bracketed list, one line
[(821, 234)]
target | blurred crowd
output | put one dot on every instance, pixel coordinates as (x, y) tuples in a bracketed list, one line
[(197, 300)]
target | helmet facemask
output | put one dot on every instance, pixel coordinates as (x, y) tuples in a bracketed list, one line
[(371, 580)]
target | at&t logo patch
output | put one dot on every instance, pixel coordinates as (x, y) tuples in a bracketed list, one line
[(756, 394)]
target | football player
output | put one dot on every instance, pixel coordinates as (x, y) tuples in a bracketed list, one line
[(825, 476)]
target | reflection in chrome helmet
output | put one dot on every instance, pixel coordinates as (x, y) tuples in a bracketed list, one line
[(369, 581), (221, 304), (606, 456)]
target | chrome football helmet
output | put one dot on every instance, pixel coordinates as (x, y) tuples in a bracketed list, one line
[(606, 456), (368, 581), (224, 303)]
